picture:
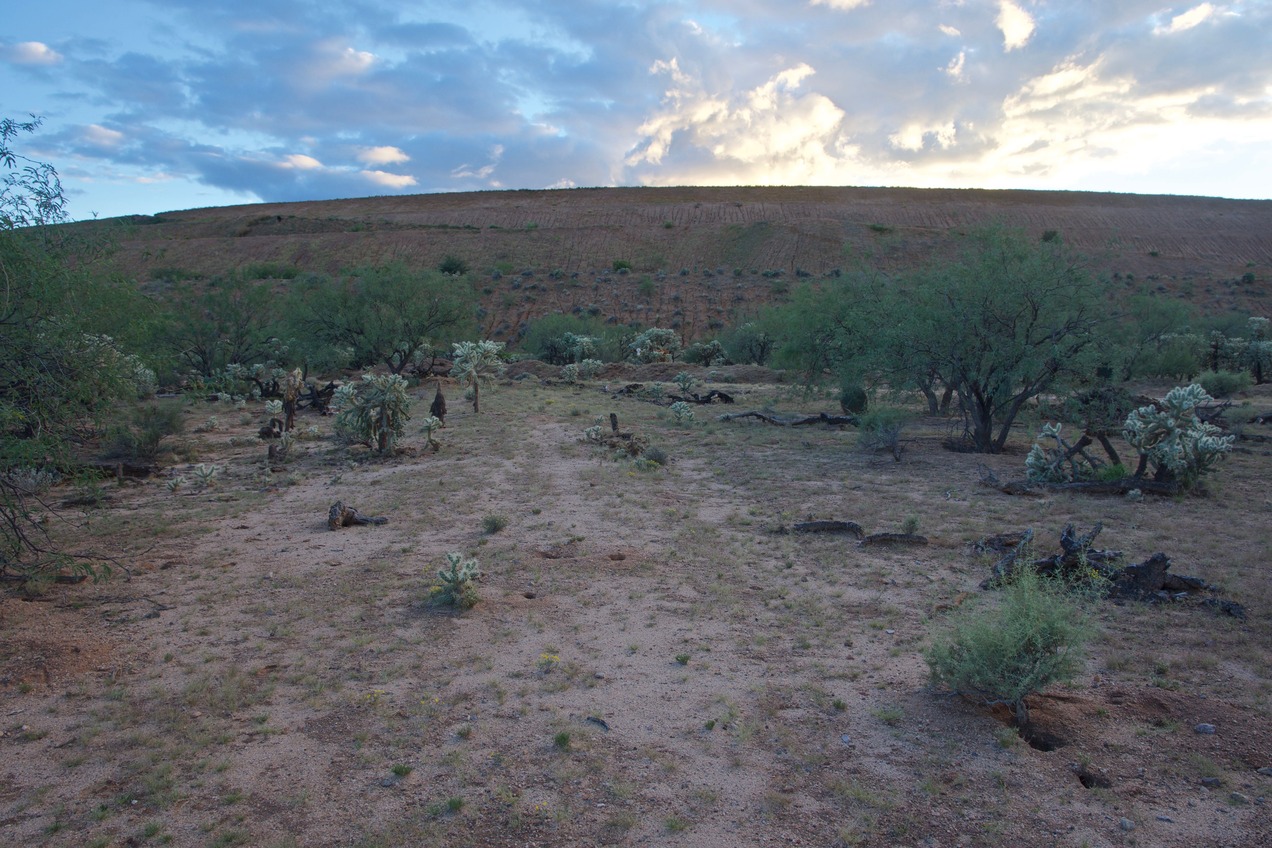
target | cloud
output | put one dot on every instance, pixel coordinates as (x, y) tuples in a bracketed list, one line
[(383, 155), (1186, 21), (31, 53), (844, 5), (771, 133), (1016, 24), (100, 136), (301, 162), (387, 180)]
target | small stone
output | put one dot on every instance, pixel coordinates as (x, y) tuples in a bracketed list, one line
[(1212, 782), (1126, 824), (890, 632), (388, 782), (1205, 729), (1238, 798), (846, 739), (1166, 819), (1266, 771)]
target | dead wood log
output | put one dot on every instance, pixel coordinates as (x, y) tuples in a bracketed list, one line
[(1091, 487), (899, 539), (709, 397), (794, 421), (272, 430), (346, 516), (850, 528), (316, 398)]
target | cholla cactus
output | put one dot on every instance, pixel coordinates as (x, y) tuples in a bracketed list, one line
[(589, 368), (431, 425), (593, 433), (373, 412), (570, 373), (655, 345), (456, 588), (474, 363), (1173, 440), (273, 408), (204, 475), (1046, 465), (682, 411), (685, 381)]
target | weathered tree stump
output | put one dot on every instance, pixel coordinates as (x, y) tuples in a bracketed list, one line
[(346, 516)]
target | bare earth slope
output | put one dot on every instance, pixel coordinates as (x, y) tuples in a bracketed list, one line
[(710, 253)]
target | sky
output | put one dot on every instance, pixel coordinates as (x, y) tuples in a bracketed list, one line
[(159, 105)]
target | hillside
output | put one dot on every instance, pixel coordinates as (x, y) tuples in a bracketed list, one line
[(700, 256)]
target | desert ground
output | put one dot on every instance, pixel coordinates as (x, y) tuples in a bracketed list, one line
[(652, 661)]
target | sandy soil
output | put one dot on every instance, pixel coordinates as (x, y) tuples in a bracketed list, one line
[(650, 662)]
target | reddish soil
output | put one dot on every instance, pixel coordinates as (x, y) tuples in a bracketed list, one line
[(700, 257)]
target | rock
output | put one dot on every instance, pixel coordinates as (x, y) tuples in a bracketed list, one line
[(846, 739), (1211, 782), (1205, 729), (1166, 819), (1266, 771), (1238, 798), (1126, 824)]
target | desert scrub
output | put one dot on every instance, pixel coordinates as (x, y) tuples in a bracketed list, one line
[(1034, 637), (457, 587), (493, 523), (373, 412)]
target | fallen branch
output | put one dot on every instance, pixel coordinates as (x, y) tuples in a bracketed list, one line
[(797, 421), (850, 528)]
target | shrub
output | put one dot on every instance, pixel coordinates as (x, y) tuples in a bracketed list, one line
[(705, 353), (853, 398), (683, 412), (493, 523), (685, 381), (151, 423), (1033, 638), (1223, 384), (373, 412), (457, 587), (880, 429), (589, 368), (453, 265)]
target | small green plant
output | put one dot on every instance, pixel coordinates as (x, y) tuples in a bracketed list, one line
[(401, 770), (561, 741), (547, 661), (457, 587), (1033, 638), (911, 525), (204, 476), (683, 659), (493, 523), (621, 265), (682, 412), (685, 381)]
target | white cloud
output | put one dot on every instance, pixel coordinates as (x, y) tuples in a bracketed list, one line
[(383, 178), (770, 134), (1016, 24), (32, 53), (466, 171), (841, 4), (102, 137), (1193, 17), (301, 162), (915, 137), (956, 65), (382, 156), (952, 32)]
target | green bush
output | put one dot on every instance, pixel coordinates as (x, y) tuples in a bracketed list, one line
[(139, 439), (453, 266), (1224, 384), (1034, 637), (853, 398)]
